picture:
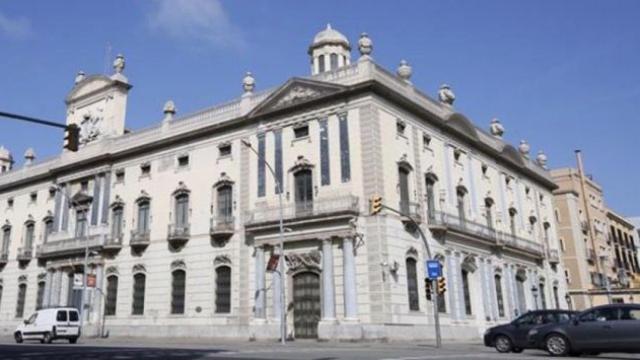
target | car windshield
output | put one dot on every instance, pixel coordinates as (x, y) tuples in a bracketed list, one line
[(32, 318)]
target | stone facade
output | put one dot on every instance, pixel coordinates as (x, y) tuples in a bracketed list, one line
[(190, 207)]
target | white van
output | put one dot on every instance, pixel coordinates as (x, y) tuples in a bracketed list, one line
[(49, 324)]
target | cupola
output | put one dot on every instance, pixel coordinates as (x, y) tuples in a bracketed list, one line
[(329, 50)]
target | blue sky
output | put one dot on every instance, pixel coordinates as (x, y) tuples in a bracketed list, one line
[(561, 74)]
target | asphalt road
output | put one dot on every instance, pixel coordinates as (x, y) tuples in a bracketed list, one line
[(126, 349)]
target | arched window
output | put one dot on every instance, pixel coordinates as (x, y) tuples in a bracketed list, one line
[(543, 295), (182, 210), (412, 285), (178, 284), (117, 221), (112, 295), (334, 61), (223, 289), (303, 191), (499, 297), (321, 63), (22, 293), (466, 292), (29, 234), (520, 279), (403, 182), (40, 295), (137, 305), (143, 216), (431, 197), (556, 297), (225, 203), (488, 211)]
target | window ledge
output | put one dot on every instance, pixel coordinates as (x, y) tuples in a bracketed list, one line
[(300, 139)]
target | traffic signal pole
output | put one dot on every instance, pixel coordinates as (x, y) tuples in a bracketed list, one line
[(72, 130), (377, 202)]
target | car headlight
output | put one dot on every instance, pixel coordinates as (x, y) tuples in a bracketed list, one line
[(533, 332)]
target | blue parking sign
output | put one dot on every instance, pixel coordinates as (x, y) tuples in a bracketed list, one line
[(434, 269)]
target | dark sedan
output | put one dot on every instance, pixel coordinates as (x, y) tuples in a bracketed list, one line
[(607, 328), (512, 337)]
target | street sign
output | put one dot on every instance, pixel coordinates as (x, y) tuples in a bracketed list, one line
[(77, 281), (434, 269), (91, 280), (272, 265)]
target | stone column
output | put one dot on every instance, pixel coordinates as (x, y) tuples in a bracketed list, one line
[(350, 287), (55, 288), (47, 289), (64, 288), (96, 303), (328, 289), (260, 288)]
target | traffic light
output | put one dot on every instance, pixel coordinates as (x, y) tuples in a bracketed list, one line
[(376, 205), (442, 285), (428, 288), (72, 137)]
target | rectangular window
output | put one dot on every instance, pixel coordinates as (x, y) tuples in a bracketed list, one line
[(6, 238), (145, 169), (400, 127), (325, 172), (500, 298), (48, 229), (33, 197), (261, 166), (225, 203), (112, 295), (183, 161), (143, 217), (224, 150), (300, 132), (116, 226), (412, 285), (426, 140), (40, 295), (22, 293), (466, 292), (345, 157), (178, 278), (120, 176), (81, 223), (137, 307), (223, 290), (278, 157), (29, 236), (10, 203)]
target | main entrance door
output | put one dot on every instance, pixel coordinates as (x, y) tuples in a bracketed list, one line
[(306, 304)]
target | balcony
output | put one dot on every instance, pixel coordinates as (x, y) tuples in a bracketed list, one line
[(412, 212), (4, 258), (140, 239), (553, 256), (178, 234), (25, 254), (441, 223), (63, 243), (222, 227), (321, 209), (113, 243), (591, 256)]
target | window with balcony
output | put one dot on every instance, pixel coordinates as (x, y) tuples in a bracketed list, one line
[(22, 293), (225, 203), (48, 229), (412, 285), (137, 305), (81, 223), (303, 191), (6, 239), (466, 292), (461, 193), (223, 289), (178, 284), (143, 216), (112, 295), (488, 212), (403, 184), (499, 297), (29, 235), (182, 210), (117, 222), (431, 196)]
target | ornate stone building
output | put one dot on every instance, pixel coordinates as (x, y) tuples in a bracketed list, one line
[(180, 219)]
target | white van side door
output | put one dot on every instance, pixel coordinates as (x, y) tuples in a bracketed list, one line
[(62, 322)]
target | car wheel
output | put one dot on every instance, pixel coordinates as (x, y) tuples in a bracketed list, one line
[(18, 337), (557, 345), (46, 338), (503, 344), (517, 350), (73, 340)]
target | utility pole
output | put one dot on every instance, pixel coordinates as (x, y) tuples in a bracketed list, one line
[(72, 131)]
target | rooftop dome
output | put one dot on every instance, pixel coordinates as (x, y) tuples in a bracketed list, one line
[(329, 36)]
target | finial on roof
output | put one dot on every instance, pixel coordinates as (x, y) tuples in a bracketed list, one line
[(248, 83), (169, 110), (404, 70), (365, 45), (496, 128), (446, 95), (524, 148), (118, 64), (29, 156), (541, 159), (328, 26), (80, 76)]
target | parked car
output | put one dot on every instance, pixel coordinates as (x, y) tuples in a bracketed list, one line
[(47, 325), (512, 337), (606, 328)]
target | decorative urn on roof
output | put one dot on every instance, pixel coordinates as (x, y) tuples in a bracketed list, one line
[(524, 148), (248, 82), (404, 70), (446, 95), (29, 156), (496, 128), (79, 77), (169, 110), (365, 45), (541, 159)]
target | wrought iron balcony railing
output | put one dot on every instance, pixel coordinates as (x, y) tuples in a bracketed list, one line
[(411, 209), (114, 242), (553, 256), (222, 226), (64, 243), (4, 257), (140, 238), (25, 253), (178, 233), (348, 204)]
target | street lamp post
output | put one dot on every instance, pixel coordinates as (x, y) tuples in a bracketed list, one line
[(283, 325)]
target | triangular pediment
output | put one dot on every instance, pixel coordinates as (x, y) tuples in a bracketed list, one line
[(91, 85), (294, 92), (81, 198)]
